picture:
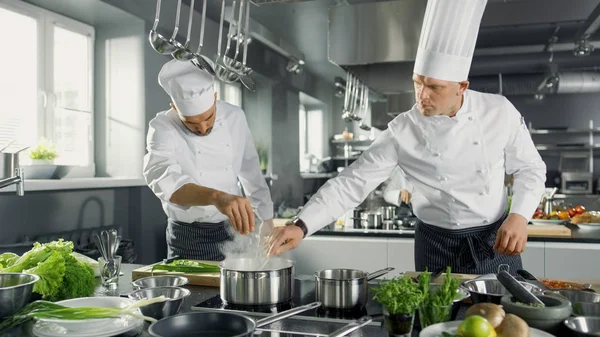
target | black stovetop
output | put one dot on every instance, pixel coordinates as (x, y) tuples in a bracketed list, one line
[(304, 293)]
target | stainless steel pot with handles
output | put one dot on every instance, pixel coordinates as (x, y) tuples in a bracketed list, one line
[(344, 288)]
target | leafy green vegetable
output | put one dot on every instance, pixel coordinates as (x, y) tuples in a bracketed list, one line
[(399, 295), (45, 150), (437, 305), (447, 334), (45, 309), (187, 266), (62, 276)]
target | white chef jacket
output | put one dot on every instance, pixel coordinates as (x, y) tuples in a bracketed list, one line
[(176, 156), (456, 165), (396, 183)]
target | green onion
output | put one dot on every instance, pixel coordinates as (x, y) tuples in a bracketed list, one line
[(187, 266), (49, 310)]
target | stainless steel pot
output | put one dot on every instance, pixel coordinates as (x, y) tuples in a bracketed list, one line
[(244, 282), (371, 220), (344, 288), (389, 212)]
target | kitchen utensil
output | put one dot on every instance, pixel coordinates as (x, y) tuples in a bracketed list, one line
[(15, 291), (344, 288), (183, 52), (516, 288), (365, 108), (583, 326), (109, 271), (218, 324), (100, 246), (371, 220), (528, 277), (548, 318), (160, 310), (199, 60), (159, 281), (350, 327), (389, 212), (243, 282), (348, 93), (491, 290), (357, 117), (584, 303), (158, 42), (223, 73)]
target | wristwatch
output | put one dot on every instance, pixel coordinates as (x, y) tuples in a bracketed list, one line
[(296, 221)]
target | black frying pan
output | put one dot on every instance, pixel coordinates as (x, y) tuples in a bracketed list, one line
[(217, 324), (226, 324)]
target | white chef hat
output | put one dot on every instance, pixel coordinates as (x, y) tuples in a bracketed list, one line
[(190, 88), (448, 36)]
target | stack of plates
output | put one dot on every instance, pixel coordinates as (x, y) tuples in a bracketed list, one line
[(103, 327)]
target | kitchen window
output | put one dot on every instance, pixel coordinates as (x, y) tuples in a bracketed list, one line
[(47, 86), (311, 141), (229, 92)]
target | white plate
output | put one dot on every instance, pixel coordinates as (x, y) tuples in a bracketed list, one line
[(547, 222), (450, 327), (89, 327)]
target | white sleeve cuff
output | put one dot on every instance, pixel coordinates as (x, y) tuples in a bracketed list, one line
[(525, 204)]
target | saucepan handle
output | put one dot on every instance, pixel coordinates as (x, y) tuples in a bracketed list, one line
[(379, 273), (286, 314), (354, 325)]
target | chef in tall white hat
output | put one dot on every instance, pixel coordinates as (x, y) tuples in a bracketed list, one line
[(454, 146), (197, 151)]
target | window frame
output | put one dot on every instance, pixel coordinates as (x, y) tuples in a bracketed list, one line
[(46, 99)]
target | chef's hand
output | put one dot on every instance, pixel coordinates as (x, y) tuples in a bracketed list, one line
[(283, 239), (512, 236), (405, 196), (238, 210)]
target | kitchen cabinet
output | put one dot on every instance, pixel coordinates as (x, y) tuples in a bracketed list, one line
[(576, 261), (534, 258), (329, 252), (400, 255)]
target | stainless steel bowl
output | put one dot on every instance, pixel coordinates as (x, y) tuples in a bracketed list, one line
[(583, 326), (15, 291), (492, 290), (170, 307), (585, 303), (159, 281)]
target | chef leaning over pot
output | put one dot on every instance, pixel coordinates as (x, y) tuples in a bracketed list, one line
[(197, 151), (454, 146)]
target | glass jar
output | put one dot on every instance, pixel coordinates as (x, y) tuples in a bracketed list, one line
[(398, 325), (429, 315)]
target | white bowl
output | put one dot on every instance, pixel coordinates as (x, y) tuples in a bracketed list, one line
[(84, 325), (38, 171)]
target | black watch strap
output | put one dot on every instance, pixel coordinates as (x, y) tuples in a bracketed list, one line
[(298, 222)]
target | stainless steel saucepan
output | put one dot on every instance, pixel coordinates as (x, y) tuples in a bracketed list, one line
[(248, 281), (344, 288)]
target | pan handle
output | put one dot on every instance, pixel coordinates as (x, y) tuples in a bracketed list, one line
[(286, 314), (379, 273), (354, 325)]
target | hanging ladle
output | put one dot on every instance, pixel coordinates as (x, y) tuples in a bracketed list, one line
[(199, 60), (157, 41), (222, 72), (183, 53), (365, 109), (356, 117), (232, 63), (346, 116)]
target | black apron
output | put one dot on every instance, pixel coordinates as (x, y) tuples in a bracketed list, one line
[(466, 251), (197, 240)]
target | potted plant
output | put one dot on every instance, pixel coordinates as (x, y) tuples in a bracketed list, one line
[(43, 154), (263, 157), (400, 298), (437, 303)]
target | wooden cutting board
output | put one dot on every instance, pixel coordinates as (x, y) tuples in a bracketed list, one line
[(203, 279), (549, 230)]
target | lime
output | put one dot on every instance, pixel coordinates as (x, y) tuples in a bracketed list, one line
[(476, 326)]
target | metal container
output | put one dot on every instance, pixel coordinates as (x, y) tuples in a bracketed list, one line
[(585, 303), (170, 307), (244, 282), (491, 290), (371, 220), (159, 281), (583, 326), (344, 288), (15, 292), (357, 216), (388, 212)]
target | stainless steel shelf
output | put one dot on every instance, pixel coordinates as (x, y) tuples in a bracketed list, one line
[(310, 175), (562, 131), (352, 141)]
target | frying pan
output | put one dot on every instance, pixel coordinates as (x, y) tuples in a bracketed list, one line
[(226, 324)]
